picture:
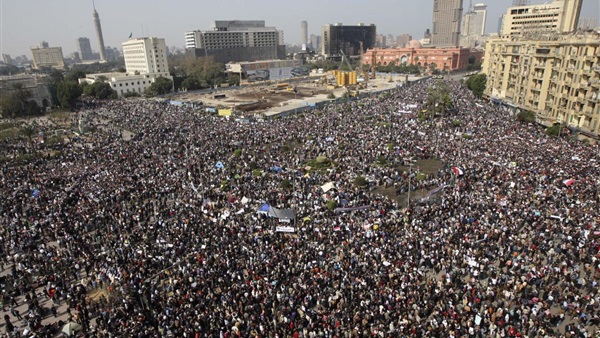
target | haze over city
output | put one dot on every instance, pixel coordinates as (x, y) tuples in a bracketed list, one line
[(61, 22)]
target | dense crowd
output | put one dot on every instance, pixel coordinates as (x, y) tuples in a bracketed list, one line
[(509, 248)]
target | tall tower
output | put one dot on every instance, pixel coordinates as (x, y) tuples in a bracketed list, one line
[(447, 16), (304, 33), (99, 33)]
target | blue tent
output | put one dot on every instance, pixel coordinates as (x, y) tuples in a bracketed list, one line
[(264, 209), (35, 193), (277, 169), (219, 165)]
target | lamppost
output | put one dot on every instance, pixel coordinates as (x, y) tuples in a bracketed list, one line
[(408, 198)]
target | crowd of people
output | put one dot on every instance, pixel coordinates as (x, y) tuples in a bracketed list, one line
[(163, 225)]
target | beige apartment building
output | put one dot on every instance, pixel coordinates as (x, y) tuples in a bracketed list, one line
[(557, 77)]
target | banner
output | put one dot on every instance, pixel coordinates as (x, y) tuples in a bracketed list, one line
[(285, 229), (364, 207)]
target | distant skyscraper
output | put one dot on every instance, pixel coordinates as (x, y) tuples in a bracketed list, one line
[(304, 33), (403, 40), (315, 42), (447, 15), (339, 37), (85, 49), (390, 40), (99, 34), (7, 59), (473, 26)]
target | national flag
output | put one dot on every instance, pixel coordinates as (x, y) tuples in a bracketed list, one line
[(457, 171), (569, 182), (130, 35)]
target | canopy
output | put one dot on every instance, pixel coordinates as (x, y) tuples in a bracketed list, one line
[(264, 209), (71, 328), (219, 165), (328, 186), (285, 215)]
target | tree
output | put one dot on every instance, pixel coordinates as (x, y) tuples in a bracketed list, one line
[(100, 90), (68, 92), (554, 130), (438, 98), (526, 116), (74, 75), (191, 83), (477, 83), (160, 86), (9, 105)]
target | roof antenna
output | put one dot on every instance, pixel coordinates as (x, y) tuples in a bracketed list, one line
[(94, 4)]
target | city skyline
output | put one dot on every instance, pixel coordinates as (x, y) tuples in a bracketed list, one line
[(61, 22)]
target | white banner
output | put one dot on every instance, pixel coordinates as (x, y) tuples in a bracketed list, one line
[(285, 229)]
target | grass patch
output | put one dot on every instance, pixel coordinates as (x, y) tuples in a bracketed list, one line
[(9, 134), (8, 125), (361, 181), (321, 162)]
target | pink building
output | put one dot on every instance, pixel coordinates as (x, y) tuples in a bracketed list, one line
[(448, 59)]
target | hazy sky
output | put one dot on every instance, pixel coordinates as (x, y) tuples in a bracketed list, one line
[(25, 23)]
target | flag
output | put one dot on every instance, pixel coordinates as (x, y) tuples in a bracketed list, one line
[(130, 35), (569, 182), (457, 171)]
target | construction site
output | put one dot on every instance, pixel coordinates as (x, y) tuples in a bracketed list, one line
[(264, 99)]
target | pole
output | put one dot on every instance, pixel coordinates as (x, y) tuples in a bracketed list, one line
[(408, 199)]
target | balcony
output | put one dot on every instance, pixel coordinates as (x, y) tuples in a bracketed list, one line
[(539, 66)]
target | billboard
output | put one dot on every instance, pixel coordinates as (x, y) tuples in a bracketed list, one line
[(273, 70)]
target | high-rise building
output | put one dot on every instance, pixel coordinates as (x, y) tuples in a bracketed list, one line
[(46, 56), (7, 59), (473, 26), (381, 41), (339, 37), (557, 16), (403, 40), (390, 40), (237, 40), (557, 76), (99, 35), (315, 42), (447, 15), (146, 56), (85, 49), (304, 33)]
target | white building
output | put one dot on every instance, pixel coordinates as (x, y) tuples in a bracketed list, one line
[(146, 56), (559, 16), (236, 33), (145, 61)]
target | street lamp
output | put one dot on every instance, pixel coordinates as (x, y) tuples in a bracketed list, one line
[(408, 198)]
